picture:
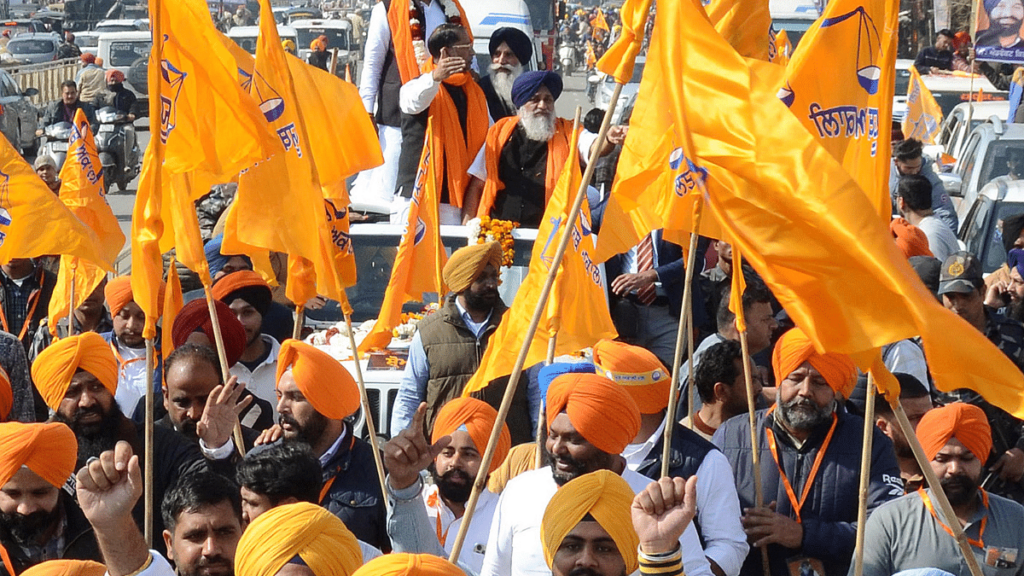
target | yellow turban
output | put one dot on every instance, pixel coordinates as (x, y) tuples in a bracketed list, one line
[(607, 498), (49, 450), (795, 348), (66, 568), (467, 263), (323, 380), (477, 418), (302, 529), (54, 367), (598, 408), (409, 565), (637, 370)]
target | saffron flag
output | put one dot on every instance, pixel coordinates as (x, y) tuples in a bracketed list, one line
[(779, 48), (33, 221), (82, 190), (173, 301), (618, 61), (745, 25), (599, 22), (576, 310), (849, 108), (86, 276), (207, 122), (801, 221), (421, 255), (923, 117), (147, 229)]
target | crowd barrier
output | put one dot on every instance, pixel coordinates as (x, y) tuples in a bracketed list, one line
[(45, 77)]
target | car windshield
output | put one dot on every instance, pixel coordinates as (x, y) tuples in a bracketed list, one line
[(30, 47), (247, 43), (1004, 158), (902, 81), (336, 37), (994, 254), (87, 41), (116, 28), (16, 29), (126, 53), (638, 72)]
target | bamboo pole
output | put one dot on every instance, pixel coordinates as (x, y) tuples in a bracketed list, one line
[(218, 340), (865, 472), (149, 464), (692, 400), (933, 482), (539, 458), (755, 453), (517, 368), (71, 301), (371, 428), (687, 309), (300, 319)]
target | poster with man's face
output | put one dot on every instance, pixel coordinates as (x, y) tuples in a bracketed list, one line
[(998, 35)]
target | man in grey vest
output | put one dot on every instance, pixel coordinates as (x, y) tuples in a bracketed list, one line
[(448, 345)]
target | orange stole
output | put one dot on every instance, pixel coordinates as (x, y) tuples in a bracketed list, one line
[(401, 37), (459, 149), (499, 135)]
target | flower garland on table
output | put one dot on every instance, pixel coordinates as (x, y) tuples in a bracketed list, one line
[(487, 229), (418, 27)]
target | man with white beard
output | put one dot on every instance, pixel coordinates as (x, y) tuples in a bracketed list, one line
[(518, 167), (511, 50)]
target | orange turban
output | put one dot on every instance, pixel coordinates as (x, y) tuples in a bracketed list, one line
[(966, 422), (795, 348), (910, 239), (302, 529), (66, 568), (396, 564), (476, 417), (118, 293), (54, 367), (49, 450), (603, 495), (6, 396), (248, 286), (323, 380), (637, 370), (602, 411), (465, 264)]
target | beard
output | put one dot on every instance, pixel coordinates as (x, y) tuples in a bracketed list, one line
[(576, 467), (93, 439), (26, 530), (1006, 27), (959, 489), (502, 78), (452, 490), (1015, 310), (584, 571), (803, 414), (539, 126), (222, 564), (311, 432), (481, 301)]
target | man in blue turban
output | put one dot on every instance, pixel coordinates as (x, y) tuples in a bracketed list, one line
[(1005, 19)]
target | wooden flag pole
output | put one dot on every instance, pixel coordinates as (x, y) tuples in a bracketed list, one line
[(865, 472), (300, 319), (673, 390), (692, 400), (225, 370), (517, 368), (933, 482), (71, 301), (371, 428), (541, 421), (755, 453), (149, 464)]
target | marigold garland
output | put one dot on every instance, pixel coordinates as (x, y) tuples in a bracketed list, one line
[(500, 231)]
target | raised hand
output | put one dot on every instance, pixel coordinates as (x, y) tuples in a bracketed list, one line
[(409, 453), (662, 511), (221, 413), (109, 486)]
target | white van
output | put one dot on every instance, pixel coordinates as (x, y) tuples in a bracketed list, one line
[(245, 36), (339, 35), (129, 53), (486, 17)]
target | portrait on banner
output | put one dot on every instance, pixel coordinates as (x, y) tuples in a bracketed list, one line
[(998, 31)]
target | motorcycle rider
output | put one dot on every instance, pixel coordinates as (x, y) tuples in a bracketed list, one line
[(63, 110), (117, 95)]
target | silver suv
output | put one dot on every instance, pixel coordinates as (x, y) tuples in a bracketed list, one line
[(994, 150)]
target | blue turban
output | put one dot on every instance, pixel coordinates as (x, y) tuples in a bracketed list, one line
[(215, 258), (990, 5), (1015, 259), (556, 369), (528, 83)]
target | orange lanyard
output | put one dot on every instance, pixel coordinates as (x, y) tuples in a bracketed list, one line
[(980, 543), (34, 299), (330, 481), (122, 364), (433, 501), (797, 505)]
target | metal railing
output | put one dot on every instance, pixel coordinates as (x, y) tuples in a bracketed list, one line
[(45, 77)]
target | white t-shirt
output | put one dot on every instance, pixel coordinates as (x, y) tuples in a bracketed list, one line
[(941, 240), (131, 378)]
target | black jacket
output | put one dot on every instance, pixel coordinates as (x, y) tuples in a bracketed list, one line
[(354, 495), (79, 539), (55, 113), (225, 467)]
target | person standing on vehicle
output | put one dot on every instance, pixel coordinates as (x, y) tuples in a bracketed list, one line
[(448, 345), (938, 58), (908, 158), (68, 48), (511, 50), (319, 56), (63, 110)]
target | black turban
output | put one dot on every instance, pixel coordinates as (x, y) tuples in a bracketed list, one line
[(517, 41)]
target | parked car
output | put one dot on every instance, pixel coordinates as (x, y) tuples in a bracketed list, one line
[(245, 36), (992, 149), (129, 53), (23, 26), (955, 130), (88, 42), (980, 230), (18, 116), (33, 48), (606, 87)]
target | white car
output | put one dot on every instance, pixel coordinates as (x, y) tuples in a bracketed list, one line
[(994, 150), (981, 228), (245, 36), (129, 53), (88, 42), (137, 25), (955, 130), (339, 35), (606, 87)]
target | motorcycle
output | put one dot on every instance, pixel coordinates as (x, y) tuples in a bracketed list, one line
[(54, 142), (117, 146), (568, 58)]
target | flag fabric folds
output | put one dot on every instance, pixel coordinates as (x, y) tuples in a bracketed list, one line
[(849, 108), (618, 61), (33, 221), (745, 25), (779, 48), (173, 301), (87, 277), (924, 116), (421, 254), (803, 223), (576, 310)]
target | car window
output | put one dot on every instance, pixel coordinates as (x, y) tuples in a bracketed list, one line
[(247, 43), (967, 162), (103, 29), (1002, 158), (8, 87), (18, 47), (973, 231), (993, 255), (125, 53), (87, 41), (948, 128)]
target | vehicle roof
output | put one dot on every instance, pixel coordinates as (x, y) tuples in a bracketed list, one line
[(1011, 131), (1005, 190), (35, 36), (131, 35), (122, 22), (982, 110), (947, 83), (246, 31), (319, 23)]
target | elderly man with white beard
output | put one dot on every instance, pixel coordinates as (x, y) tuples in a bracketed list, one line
[(518, 167), (510, 50)]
